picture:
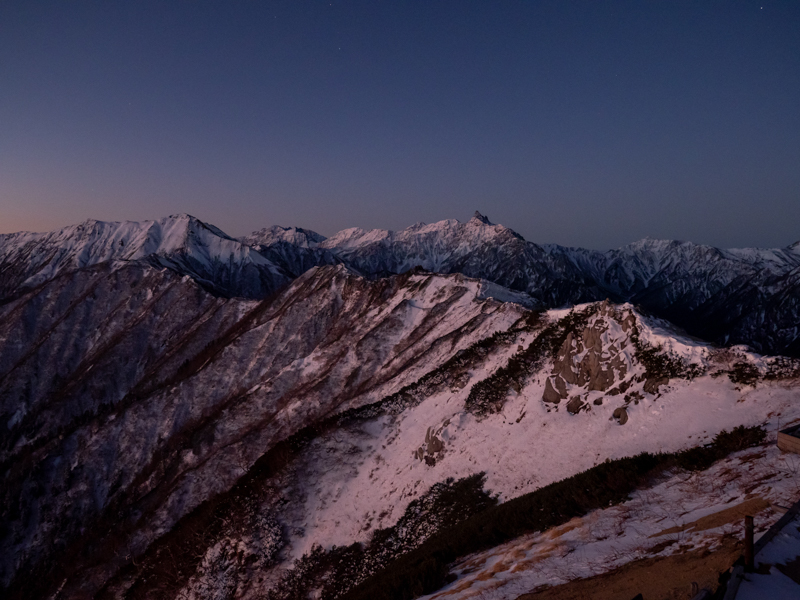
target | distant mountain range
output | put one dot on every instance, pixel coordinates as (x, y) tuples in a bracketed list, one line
[(739, 296)]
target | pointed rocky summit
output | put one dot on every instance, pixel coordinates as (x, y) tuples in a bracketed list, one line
[(482, 218)]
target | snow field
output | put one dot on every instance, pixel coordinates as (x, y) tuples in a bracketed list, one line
[(683, 512)]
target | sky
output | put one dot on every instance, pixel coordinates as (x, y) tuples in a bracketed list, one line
[(587, 124)]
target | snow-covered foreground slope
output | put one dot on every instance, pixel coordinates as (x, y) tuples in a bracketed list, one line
[(682, 513)]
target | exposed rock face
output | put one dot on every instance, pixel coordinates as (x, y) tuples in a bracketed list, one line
[(605, 358), (651, 386), (621, 415), (433, 448), (584, 361), (482, 218), (575, 405), (553, 395), (593, 359)]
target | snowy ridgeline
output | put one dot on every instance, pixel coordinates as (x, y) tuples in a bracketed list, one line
[(736, 296), (437, 247)]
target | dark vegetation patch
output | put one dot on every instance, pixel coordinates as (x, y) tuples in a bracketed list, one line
[(661, 365), (426, 568), (782, 367), (744, 373), (489, 395), (725, 443), (331, 573)]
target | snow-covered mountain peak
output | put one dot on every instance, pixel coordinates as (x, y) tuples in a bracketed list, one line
[(441, 233), (107, 240), (445, 226), (688, 255), (356, 236), (181, 242), (637, 265), (297, 236)]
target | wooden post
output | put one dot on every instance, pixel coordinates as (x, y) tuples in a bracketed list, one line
[(749, 558)]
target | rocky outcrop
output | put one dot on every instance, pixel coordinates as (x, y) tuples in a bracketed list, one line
[(555, 394), (652, 385), (433, 448), (585, 361), (590, 359), (575, 405), (605, 358)]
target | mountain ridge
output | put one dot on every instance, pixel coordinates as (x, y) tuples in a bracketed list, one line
[(716, 294)]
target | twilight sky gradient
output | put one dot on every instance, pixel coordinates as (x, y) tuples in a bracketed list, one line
[(582, 123)]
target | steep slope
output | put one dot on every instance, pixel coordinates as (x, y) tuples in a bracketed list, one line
[(629, 385), (180, 242), (130, 396), (551, 396)]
